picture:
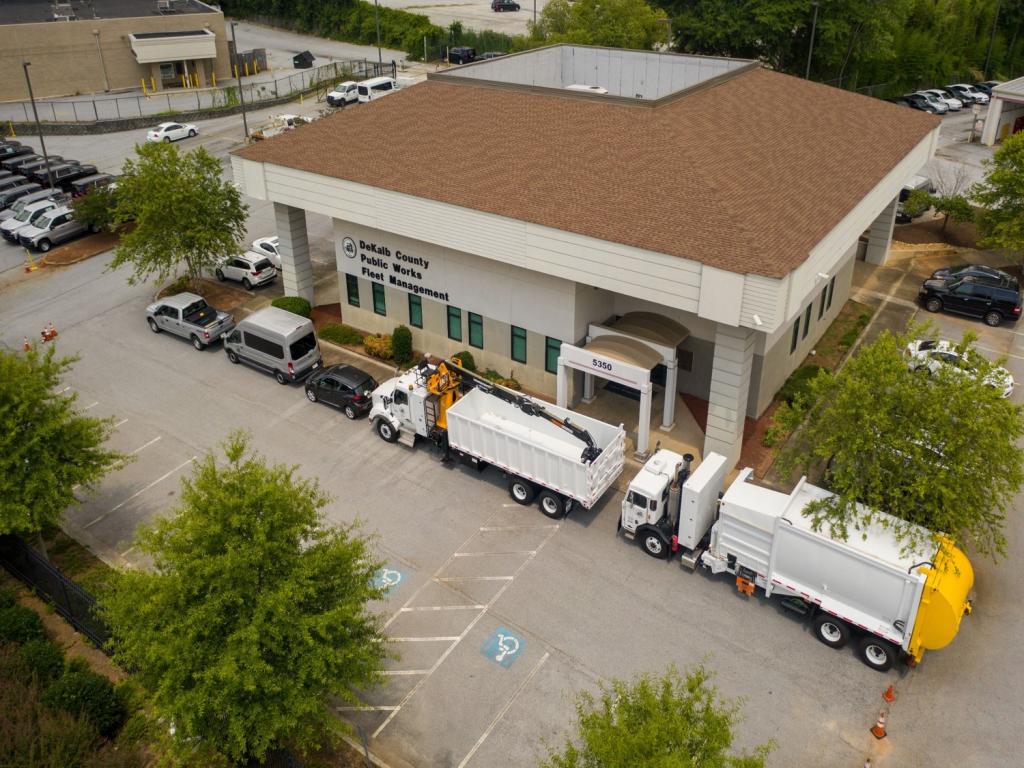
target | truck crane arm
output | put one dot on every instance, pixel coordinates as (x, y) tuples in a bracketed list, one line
[(530, 407)]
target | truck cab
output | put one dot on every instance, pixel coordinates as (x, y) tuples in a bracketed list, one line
[(646, 508), (403, 407)]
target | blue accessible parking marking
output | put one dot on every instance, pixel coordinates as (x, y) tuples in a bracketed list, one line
[(503, 647), (388, 579)]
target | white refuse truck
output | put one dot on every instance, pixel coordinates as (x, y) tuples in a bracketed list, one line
[(550, 454), (862, 589)]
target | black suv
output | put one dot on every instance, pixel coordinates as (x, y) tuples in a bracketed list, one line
[(461, 55), (504, 5), (994, 301)]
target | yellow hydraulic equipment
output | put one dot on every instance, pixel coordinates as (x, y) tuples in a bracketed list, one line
[(944, 601), (444, 384)]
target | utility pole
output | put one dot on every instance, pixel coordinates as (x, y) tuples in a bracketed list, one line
[(810, 49), (376, 13), (992, 36), (42, 143), (238, 72)]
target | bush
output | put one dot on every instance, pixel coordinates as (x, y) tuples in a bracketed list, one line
[(340, 334), (798, 385), (19, 624), (43, 658), (849, 338), (401, 345), (466, 360), (6, 598), (378, 345), (294, 304), (92, 695)]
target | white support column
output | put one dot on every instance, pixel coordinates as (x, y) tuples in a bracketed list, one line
[(668, 412), (643, 432), (562, 388), (296, 266), (880, 234), (730, 387), (588, 387), (995, 111)]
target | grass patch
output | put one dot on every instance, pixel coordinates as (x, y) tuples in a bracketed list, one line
[(842, 334)]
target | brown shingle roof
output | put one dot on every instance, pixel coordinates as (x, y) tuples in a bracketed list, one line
[(746, 176)]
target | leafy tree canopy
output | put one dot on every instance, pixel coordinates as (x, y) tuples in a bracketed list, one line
[(616, 23), (253, 612), (183, 209), (938, 450), (672, 721), (1001, 195), (48, 447)]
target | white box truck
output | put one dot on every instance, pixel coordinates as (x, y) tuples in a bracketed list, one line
[(550, 454), (864, 588)]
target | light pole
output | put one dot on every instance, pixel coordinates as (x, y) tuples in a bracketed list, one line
[(810, 50), (535, 13), (238, 72), (35, 114), (376, 13), (992, 35)]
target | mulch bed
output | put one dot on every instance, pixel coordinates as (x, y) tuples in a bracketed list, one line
[(930, 231), (81, 249)]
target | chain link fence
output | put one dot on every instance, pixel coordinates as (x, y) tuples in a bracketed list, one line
[(167, 103)]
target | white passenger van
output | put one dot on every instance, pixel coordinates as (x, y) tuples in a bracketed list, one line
[(376, 87)]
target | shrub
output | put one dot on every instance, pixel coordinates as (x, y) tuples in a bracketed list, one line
[(492, 375), (294, 304), (466, 359), (6, 599), (378, 345), (798, 385), (340, 334), (401, 345), (43, 658), (849, 338), (92, 695), (19, 624)]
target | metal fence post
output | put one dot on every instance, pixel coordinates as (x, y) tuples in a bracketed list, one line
[(198, 105), (168, 102), (117, 106), (53, 108), (95, 111)]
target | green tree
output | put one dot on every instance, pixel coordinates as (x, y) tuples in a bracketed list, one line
[(96, 208), (615, 23), (1001, 196), (184, 212), (666, 722), (937, 450), (254, 610), (49, 449)]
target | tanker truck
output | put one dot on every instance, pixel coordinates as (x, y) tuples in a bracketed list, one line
[(549, 454), (863, 589)]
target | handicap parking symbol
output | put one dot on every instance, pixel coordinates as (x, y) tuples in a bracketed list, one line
[(503, 647), (388, 579)]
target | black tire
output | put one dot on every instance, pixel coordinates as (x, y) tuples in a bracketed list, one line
[(552, 505), (94, 229), (876, 653), (386, 432), (219, 275), (350, 412), (44, 245), (992, 319), (232, 357), (653, 542), (311, 396), (167, 139), (831, 631), (191, 133), (933, 304), (522, 491), (246, 284), (197, 343), (153, 326), (281, 378)]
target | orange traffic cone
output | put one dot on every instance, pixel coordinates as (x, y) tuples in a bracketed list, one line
[(889, 695), (878, 731)]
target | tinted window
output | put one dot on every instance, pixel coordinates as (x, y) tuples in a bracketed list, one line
[(552, 349), (455, 323), (415, 311), (352, 290), (303, 346), (518, 344), (385, 86), (265, 346), (262, 264), (476, 330)]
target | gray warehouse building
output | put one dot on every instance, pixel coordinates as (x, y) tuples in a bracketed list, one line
[(688, 226)]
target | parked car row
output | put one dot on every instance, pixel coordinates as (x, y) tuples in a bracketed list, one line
[(952, 98), (976, 291)]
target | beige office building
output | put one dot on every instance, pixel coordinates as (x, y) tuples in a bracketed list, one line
[(102, 46)]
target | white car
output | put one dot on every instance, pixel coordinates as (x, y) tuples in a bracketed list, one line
[(967, 93), (268, 248), (951, 101), (343, 93), (931, 355), (250, 269), (172, 132)]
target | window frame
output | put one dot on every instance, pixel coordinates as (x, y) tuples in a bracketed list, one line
[(477, 321), (454, 313), (794, 341), (548, 349), (417, 302), (513, 339), (807, 320), (352, 290), (831, 290), (379, 293)]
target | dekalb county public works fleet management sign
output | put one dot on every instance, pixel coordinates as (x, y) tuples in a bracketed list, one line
[(395, 268)]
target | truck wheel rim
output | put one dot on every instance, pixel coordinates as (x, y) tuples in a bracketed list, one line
[(550, 505), (875, 655), (830, 632), (385, 430), (519, 491), (653, 544)]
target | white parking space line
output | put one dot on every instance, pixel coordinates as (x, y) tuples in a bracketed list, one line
[(442, 608), (423, 639), (504, 710), (141, 490), (363, 709), (127, 551), (122, 422), (143, 447), (396, 672), (517, 527), (474, 578), (62, 391), (483, 554), (90, 406), (1001, 354)]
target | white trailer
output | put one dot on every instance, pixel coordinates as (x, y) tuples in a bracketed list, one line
[(894, 603), (550, 454)]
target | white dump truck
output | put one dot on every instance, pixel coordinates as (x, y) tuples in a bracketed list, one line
[(864, 588), (551, 455)]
